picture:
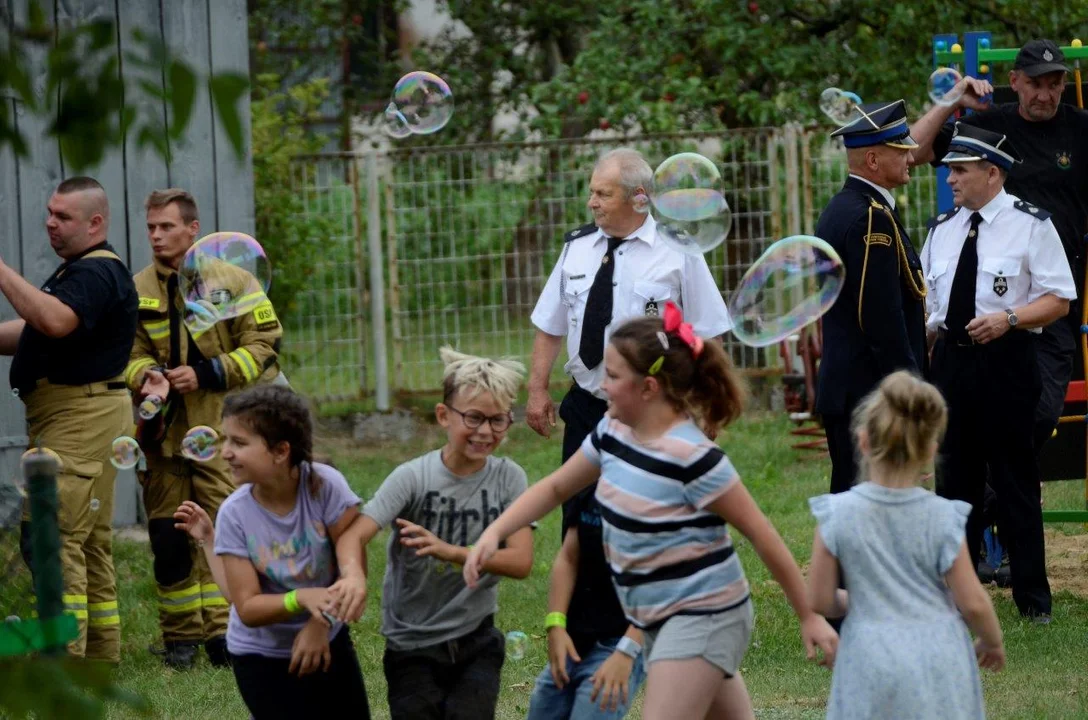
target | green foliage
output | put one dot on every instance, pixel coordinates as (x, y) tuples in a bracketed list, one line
[(76, 689), (296, 239), (89, 105)]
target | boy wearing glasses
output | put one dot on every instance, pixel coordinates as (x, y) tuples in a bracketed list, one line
[(443, 654)]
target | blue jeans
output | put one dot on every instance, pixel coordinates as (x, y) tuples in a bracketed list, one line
[(572, 701)]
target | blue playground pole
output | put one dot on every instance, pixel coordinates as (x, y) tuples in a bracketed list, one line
[(942, 43)]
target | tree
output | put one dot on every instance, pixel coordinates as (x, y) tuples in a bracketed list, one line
[(83, 96)]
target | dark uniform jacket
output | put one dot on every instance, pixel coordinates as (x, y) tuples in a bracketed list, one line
[(877, 325)]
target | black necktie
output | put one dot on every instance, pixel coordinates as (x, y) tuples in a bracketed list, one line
[(961, 301), (598, 309)]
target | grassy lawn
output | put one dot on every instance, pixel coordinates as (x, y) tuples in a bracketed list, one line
[(1044, 677)]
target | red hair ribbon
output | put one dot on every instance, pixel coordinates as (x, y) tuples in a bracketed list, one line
[(675, 325)]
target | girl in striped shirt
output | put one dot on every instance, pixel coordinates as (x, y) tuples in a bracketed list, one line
[(666, 494)]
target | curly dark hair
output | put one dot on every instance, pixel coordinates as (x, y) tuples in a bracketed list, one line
[(277, 414)]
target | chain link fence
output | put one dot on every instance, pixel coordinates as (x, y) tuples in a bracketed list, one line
[(466, 237)]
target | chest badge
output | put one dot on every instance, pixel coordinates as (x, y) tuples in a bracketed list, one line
[(1001, 286), (1063, 160), (652, 309)]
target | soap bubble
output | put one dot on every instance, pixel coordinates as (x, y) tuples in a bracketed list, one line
[(942, 86), (517, 643), (422, 104), (840, 106), (199, 444), (791, 285), (222, 276), (150, 407), (125, 453), (693, 215)]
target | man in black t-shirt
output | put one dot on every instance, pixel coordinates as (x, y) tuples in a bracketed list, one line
[(71, 344), (1052, 138)]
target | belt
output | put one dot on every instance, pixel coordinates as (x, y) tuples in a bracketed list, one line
[(963, 340), (91, 388)]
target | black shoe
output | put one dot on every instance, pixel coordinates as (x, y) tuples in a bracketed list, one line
[(985, 573), (216, 648), (1039, 618), (179, 655)]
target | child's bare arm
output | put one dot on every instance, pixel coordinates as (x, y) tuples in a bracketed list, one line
[(977, 609), (823, 581)]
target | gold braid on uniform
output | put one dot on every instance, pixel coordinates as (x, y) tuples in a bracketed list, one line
[(916, 285)]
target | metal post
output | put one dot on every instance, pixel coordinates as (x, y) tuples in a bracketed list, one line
[(377, 282), (40, 470)]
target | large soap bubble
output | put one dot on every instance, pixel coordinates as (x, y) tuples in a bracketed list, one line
[(840, 106), (200, 444), (222, 276), (692, 213), (422, 104), (791, 285), (942, 86)]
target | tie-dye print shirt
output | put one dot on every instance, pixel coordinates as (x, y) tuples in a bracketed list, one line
[(667, 554), (288, 552)]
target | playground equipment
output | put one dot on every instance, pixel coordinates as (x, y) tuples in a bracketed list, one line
[(976, 57)]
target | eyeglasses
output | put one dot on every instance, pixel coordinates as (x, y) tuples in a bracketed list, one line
[(474, 419)]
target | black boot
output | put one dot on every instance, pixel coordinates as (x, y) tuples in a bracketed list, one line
[(179, 654), (216, 648)]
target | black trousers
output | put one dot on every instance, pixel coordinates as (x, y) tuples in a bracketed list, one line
[(1055, 349), (992, 391), (271, 692), (580, 411), (455, 680), (840, 445)]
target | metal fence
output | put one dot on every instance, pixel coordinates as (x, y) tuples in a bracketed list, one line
[(456, 243)]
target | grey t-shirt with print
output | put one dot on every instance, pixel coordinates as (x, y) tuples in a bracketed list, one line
[(424, 600)]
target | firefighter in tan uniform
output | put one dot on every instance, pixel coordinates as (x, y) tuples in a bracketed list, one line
[(192, 370), (70, 345)]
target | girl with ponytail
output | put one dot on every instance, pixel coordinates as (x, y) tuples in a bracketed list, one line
[(667, 494), (910, 584)]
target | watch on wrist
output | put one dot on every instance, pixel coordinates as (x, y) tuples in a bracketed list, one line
[(629, 647), (1014, 319)]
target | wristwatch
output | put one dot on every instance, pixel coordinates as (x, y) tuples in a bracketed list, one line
[(629, 647), (1013, 318)]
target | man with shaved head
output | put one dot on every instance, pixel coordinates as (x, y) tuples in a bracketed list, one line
[(71, 344)]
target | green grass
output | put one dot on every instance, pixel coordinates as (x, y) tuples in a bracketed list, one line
[(1044, 677)]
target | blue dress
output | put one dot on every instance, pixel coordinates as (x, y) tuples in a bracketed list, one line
[(904, 651)]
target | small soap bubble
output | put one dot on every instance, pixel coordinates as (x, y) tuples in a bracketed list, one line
[(150, 407), (692, 213), (517, 643), (200, 443), (840, 106), (942, 86), (95, 504), (641, 203), (422, 101), (791, 285), (125, 453)]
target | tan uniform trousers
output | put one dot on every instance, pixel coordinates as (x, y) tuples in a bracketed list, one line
[(191, 605), (80, 423)]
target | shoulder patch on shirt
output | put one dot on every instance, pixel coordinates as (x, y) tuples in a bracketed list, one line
[(935, 221), (1034, 210), (147, 303), (580, 232), (265, 316), (878, 239)]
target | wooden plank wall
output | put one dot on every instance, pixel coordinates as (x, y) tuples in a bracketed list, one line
[(211, 35)]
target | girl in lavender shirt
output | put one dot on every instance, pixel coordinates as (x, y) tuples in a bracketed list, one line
[(292, 559)]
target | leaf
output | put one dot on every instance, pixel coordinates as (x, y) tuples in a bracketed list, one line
[(182, 93), (227, 89)]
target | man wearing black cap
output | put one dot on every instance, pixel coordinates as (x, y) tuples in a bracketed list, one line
[(1053, 139), (877, 325), (997, 274)]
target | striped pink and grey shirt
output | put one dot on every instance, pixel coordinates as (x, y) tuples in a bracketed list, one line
[(667, 554)]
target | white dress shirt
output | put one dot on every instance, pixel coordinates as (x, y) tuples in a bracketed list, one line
[(647, 273), (885, 192), (1020, 259)]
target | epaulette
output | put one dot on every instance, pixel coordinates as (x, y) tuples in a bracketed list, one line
[(935, 221), (1034, 210), (579, 232)]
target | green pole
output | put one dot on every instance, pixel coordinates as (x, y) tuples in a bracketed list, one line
[(40, 470)]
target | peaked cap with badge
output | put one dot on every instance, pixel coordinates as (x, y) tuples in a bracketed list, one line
[(879, 124)]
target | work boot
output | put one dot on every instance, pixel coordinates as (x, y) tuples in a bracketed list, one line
[(216, 648), (179, 654)]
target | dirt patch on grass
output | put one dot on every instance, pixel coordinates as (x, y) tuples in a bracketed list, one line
[(1067, 562)]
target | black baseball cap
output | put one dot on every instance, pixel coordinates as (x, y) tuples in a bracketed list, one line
[(1039, 57)]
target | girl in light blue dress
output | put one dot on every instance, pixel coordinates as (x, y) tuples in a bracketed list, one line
[(911, 591)]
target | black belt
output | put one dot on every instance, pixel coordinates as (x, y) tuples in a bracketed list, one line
[(25, 390), (959, 340)]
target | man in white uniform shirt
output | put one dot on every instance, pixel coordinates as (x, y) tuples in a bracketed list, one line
[(997, 274), (612, 270)]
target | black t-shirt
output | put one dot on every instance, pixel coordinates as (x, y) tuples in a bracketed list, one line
[(101, 292), (1054, 171), (595, 612)]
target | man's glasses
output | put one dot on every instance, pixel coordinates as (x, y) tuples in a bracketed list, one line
[(474, 419)]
